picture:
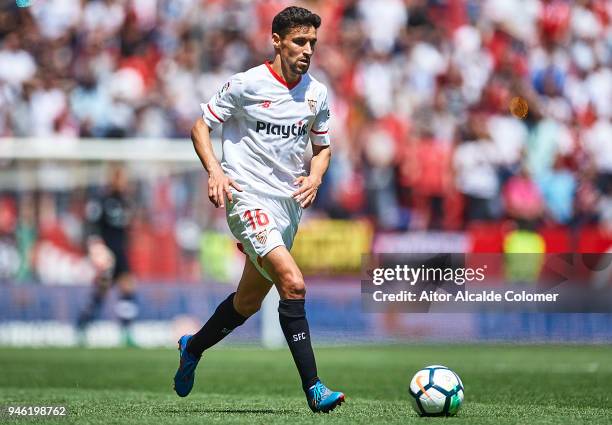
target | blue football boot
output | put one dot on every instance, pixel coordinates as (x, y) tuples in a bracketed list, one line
[(322, 399), (183, 379)]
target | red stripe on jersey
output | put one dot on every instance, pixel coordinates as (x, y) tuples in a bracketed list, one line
[(281, 79), (318, 133), (213, 112)]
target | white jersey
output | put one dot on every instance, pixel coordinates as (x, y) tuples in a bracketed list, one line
[(266, 127)]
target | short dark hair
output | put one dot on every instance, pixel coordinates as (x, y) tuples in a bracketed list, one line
[(293, 17)]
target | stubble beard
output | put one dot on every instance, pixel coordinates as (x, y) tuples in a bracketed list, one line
[(299, 71)]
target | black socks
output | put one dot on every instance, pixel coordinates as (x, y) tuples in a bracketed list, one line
[(126, 309), (93, 307), (223, 321), (292, 317)]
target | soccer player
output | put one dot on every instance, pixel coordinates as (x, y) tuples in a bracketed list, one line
[(108, 219), (269, 114)]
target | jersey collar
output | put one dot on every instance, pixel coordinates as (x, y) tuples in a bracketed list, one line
[(281, 79)]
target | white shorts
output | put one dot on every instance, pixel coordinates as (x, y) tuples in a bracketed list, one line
[(262, 223)]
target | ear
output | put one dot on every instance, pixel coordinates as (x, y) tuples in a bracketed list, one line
[(276, 41)]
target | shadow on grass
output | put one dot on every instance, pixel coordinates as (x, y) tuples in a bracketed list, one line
[(233, 411)]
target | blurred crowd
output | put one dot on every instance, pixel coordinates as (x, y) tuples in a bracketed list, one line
[(422, 134)]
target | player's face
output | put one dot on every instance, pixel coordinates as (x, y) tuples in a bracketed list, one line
[(119, 180), (296, 48)]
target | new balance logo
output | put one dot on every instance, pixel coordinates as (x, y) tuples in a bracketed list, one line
[(299, 337), (265, 104), (281, 130), (226, 331)]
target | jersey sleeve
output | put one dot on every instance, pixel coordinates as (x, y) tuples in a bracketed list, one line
[(224, 104), (319, 132)]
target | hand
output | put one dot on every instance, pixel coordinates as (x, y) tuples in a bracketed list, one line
[(219, 186), (101, 257), (307, 192)]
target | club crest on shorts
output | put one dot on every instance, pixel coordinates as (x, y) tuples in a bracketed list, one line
[(312, 104), (262, 237)]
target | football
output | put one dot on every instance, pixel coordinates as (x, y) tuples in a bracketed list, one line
[(436, 391)]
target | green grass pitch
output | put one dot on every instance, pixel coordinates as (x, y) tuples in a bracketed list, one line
[(504, 384)]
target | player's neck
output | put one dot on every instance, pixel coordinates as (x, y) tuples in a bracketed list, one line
[(283, 71)]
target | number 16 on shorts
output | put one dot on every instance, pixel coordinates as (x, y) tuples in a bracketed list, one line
[(257, 220)]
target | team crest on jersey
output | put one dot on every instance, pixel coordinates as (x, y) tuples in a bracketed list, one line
[(262, 237), (312, 104)]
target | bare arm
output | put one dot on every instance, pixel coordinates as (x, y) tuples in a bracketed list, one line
[(218, 183), (309, 185)]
